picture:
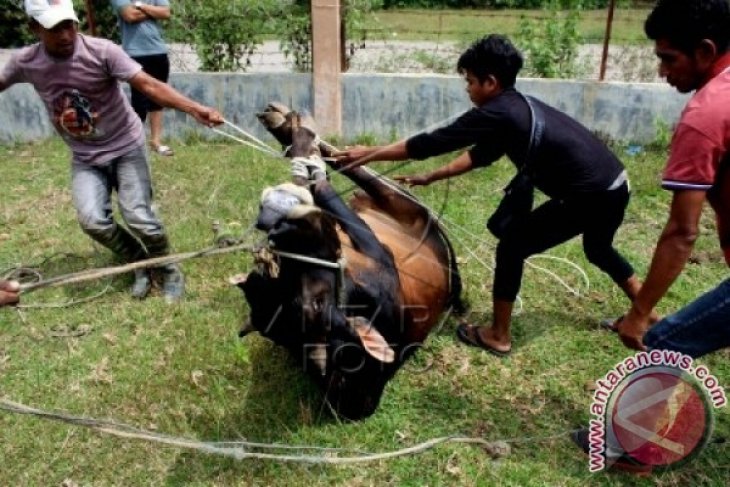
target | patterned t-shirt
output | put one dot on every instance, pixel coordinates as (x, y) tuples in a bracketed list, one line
[(700, 151), (83, 96)]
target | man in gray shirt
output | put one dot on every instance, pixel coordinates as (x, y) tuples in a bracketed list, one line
[(78, 79)]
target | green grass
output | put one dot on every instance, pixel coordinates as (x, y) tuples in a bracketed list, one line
[(181, 370), (467, 25)]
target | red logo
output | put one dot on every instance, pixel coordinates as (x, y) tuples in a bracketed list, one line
[(660, 416), (74, 114)]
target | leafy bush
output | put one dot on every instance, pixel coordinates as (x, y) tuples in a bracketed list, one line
[(494, 4), (223, 32), (105, 19), (295, 29), (551, 44), (14, 31), (663, 137)]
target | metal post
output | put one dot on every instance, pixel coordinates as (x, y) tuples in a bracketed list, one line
[(606, 39)]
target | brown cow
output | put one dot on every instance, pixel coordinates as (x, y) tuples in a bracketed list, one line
[(352, 326)]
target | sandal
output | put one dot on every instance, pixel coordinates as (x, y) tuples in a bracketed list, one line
[(163, 150), (475, 340)]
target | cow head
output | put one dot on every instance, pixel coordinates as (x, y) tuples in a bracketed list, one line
[(315, 289), (307, 304)]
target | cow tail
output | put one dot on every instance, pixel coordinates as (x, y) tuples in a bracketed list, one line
[(454, 300)]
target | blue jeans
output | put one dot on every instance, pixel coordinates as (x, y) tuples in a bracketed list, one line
[(699, 328), (129, 174)]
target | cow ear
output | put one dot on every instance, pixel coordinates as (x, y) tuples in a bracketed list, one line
[(372, 340)]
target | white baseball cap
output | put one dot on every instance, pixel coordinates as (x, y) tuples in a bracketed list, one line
[(49, 13)]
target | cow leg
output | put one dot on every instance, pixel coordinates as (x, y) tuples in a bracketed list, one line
[(391, 199), (290, 128), (362, 237)]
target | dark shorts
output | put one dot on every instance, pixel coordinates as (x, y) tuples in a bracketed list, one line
[(157, 66)]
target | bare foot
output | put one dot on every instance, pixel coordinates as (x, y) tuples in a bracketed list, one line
[(490, 337)]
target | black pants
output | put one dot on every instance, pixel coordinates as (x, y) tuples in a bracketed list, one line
[(157, 66), (596, 216)]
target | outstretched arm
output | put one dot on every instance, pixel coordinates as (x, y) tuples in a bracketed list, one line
[(360, 155), (458, 166), (165, 95), (670, 256)]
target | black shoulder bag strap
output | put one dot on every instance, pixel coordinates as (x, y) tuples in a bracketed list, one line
[(519, 193), (536, 130)]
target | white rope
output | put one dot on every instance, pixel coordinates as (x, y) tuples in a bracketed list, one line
[(309, 260), (519, 307), (241, 450), (569, 262), (245, 142), (255, 139), (557, 278)]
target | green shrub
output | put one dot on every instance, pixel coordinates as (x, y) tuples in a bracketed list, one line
[(550, 45), (14, 31), (223, 32), (486, 4), (294, 27)]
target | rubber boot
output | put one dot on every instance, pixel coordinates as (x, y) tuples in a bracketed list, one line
[(123, 244), (173, 281), (142, 283)]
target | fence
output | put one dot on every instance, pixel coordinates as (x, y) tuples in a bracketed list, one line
[(430, 41), (410, 41)]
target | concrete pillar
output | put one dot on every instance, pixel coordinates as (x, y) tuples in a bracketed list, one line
[(326, 50)]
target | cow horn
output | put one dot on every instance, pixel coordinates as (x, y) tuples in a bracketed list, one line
[(373, 342)]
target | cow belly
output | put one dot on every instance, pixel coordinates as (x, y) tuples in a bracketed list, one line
[(424, 277), (425, 288)]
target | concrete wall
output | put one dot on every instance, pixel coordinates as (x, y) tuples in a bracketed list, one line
[(382, 105)]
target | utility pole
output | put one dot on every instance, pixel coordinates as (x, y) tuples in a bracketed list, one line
[(607, 39)]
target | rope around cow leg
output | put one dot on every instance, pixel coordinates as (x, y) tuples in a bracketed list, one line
[(240, 450)]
